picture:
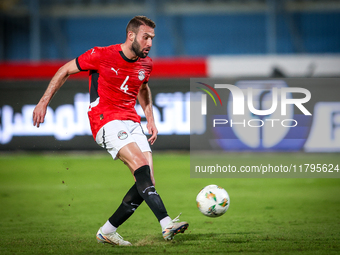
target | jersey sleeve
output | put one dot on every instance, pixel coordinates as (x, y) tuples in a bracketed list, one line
[(149, 71), (89, 60)]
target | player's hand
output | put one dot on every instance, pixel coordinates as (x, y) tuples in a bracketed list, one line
[(153, 132), (39, 114)]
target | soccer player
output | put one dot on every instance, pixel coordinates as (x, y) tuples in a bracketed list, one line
[(119, 75)]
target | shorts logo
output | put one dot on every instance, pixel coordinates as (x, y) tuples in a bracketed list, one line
[(122, 135), (141, 75)]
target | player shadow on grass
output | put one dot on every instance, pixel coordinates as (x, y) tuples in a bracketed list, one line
[(221, 237), (225, 238)]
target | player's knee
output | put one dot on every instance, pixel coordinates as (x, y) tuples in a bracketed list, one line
[(136, 162), (142, 172), (143, 162), (143, 178)]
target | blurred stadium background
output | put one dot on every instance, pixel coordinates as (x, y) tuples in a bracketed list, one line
[(194, 38), (53, 203)]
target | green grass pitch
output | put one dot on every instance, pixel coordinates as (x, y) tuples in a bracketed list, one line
[(55, 203)]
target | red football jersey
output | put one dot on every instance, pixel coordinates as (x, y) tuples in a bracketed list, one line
[(114, 84)]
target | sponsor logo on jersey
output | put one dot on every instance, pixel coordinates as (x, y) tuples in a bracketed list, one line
[(122, 135), (116, 71), (141, 75)]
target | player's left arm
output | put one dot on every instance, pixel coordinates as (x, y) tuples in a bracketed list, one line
[(145, 100)]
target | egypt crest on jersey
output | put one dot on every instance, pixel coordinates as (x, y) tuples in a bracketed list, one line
[(141, 75), (114, 84)]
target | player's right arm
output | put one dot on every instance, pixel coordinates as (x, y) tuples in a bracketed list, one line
[(57, 81)]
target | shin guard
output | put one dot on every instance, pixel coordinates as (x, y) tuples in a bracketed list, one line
[(148, 192), (129, 204)]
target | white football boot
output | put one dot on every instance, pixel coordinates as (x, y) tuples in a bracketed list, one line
[(174, 228), (112, 238)]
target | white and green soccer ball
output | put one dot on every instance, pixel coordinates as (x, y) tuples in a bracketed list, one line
[(213, 201)]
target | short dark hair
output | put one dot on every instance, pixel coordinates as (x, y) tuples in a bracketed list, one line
[(137, 21)]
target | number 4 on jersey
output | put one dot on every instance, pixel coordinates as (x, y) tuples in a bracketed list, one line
[(124, 86)]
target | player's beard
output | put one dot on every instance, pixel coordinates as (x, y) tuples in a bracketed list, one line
[(136, 49)]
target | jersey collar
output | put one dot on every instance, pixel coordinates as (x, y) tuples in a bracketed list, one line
[(127, 59)]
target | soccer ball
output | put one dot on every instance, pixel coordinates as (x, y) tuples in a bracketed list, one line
[(213, 201)]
